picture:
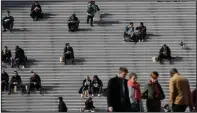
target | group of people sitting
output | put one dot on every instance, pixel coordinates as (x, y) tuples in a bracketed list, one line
[(19, 58), (132, 34), (93, 87), (16, 83)]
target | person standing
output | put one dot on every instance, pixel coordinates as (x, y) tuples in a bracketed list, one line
[(153, 93), (180, 94), (91, 10), (117, 93), (62, 106)]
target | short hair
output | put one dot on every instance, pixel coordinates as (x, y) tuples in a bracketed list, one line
[(5, 46), (131, 23), (36, 2), (132, 75), (141, 23), (173, 71), (123, 69), (154, 74), (164, 45), (67, 44), (8, 11), (15, 72), (60, 98)]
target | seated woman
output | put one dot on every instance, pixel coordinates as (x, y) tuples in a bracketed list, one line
[(85, 89), (8, 22), (36, 11), (96, 86), (89, 105), (73, 23)]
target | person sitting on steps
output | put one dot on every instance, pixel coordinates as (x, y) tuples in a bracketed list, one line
[(96, 86), (20, 57), (8, 22), (73, 23), (68, 53), (85, 89), (89, 106), (4, 81), (16, 82), (6, 56), (35, 82), (36, 11), (164, 53), (142, 32), (129, 33)]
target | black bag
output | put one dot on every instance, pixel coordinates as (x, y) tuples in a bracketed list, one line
[(135, 106)]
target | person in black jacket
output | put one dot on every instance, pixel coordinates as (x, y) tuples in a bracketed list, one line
[(164, 53), (20, 57), (6, 54), (8, 22), (96, 86), (86, 87), (36, 11), (4, 81), (62, 106), (16, 81), (35, 82), (68, 53), (142, 31), (117, 93), (89, 105), (73, 23)]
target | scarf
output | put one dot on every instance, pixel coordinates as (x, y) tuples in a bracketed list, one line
[(136, 87), (156, 88)]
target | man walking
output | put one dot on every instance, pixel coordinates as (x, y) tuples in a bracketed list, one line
[(180, 94), (117, 93)]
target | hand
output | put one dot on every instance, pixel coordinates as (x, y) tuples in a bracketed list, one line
[(34, 83), (110, 109)]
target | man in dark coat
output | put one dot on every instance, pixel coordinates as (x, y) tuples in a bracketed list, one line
[(8, 22), (117, 93), (62, 106), (20, 57), (73, 23), (4, 81), (16, 81), (6, 54), (164, 53), (36, 11), (142, 31), (68, 53), (35, 82)]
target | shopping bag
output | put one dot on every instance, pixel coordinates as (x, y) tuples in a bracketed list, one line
[(155, 59), (97, 16), (61, 59)]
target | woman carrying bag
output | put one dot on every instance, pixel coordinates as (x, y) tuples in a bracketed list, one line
[(135, 94)]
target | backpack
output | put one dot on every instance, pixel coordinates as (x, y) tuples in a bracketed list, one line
[(90, 9)]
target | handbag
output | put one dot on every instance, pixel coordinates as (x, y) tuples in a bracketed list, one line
[(61, 59)]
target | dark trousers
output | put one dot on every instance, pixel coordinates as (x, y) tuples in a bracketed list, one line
[(4, 86), (162, 56), (8, 25), (131, 38), (90, 19), (35, 86), (68, 56), (11, 87), (21, 61), (73, 26), (36, 14), (179, 108), (153, 105), (96, 90), (142, 37)]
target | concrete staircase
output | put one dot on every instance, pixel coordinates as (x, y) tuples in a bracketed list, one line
[(98, 50)]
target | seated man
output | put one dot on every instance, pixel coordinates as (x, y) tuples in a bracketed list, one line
[(96, 86), (20, 57), (36, 11), (142, 31), (8, 22), (6, 55), (68, 53), (164, 53), (89, 105), (35, 82), (129, 33), (4, 81), (16, 82), (73, 23)]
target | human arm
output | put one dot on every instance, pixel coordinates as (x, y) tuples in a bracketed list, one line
[(172, 92)]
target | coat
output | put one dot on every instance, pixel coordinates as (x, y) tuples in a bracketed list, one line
[(114, 95), (19, 53), (4, 77), (153, 103), (62, 107), (98, 82), (35, 79), (16, 79), (165, 49), (34, 6), (71, 50), (11, 19)]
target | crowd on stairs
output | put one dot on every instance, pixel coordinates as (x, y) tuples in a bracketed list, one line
[(122, 95)]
